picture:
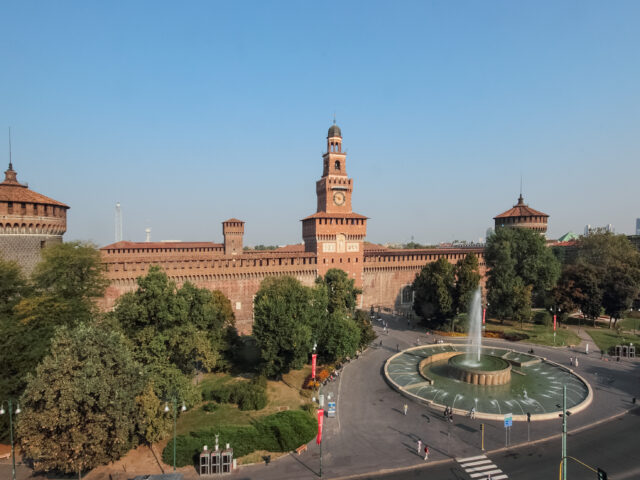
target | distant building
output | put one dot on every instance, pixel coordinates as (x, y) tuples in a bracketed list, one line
[(522, 216), (589, 230), (29, 222), (637, 226), (569, 237)]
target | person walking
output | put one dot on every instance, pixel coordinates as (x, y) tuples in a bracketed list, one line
[(405, 408), (419, 446), (586, 349), (472, 413), (426, 453), (576, 361), (571, 361)]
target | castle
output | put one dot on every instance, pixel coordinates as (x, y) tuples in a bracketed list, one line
[(29, 221), (333, 237)]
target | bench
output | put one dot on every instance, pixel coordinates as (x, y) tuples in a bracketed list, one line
[(301, 448)]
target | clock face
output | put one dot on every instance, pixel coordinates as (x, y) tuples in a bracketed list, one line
[(338, 198)]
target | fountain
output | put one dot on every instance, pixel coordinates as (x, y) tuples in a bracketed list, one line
[(494, 381), (475, 326)]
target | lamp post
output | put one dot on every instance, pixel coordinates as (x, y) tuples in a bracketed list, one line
[(13, 452), (174, 401), (555, 310)]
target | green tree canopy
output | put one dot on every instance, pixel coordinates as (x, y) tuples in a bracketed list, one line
[(283, 324), (339, 337), (65, 285), (518, 258), (78, 408), (579, 287), (434, 291), (175, 331), (341, 291), (467, 277)]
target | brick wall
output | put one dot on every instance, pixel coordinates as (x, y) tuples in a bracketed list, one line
[(26, 249)]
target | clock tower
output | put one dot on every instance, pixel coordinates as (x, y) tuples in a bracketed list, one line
[(334, 233)]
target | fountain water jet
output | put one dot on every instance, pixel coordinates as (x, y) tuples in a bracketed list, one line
[(475, 328)]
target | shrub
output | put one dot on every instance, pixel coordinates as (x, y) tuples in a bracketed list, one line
[(542, 317), (210, 407), (248, 395), (280, 432)]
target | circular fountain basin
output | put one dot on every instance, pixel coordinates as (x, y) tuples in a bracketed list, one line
[(489, 370), (423, 374)]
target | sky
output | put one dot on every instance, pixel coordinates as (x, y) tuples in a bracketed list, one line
[(190, 113)]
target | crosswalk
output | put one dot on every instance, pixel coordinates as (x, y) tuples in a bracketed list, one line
[(481, 468)]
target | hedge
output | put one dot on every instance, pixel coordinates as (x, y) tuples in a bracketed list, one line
[(248, 395), (280, 432)]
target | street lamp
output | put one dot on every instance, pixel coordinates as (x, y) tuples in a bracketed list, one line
[(174, 401), (13, 453)]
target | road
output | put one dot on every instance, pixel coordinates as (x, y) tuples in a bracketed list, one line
[(612, 446)]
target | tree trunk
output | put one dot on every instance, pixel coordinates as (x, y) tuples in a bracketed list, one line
[(610, 319)]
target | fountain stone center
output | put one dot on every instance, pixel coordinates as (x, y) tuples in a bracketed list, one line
[(488, 370)]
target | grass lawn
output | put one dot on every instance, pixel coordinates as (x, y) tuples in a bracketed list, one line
[(282, 395), (630, 323), (606, 338), (538, 334)]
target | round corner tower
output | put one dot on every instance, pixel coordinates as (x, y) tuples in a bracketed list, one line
[(29, 222)]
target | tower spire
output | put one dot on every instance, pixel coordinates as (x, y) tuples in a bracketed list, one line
[(520, 199), (10, 163)]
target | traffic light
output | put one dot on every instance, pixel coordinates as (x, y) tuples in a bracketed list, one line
[(528, 417), (482, 426), (602, 475)]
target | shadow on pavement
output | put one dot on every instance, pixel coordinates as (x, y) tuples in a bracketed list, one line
[(295, 457)]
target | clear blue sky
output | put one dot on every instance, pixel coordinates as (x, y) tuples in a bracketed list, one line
[(189, 113)]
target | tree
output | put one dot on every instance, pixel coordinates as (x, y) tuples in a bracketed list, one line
[(517, 258), (620, 289), (12, 286), (339, 337), (434, 290), (175, 332), (578, 287), (282, 324), (367, 334), (71, 270), (79, 406), (65, 285), (341, 291), (152, 424), (467, 282)]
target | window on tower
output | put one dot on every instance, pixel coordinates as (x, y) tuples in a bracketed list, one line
[(337, 164)]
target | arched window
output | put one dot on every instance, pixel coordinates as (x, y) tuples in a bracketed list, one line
[(337, 165), (407, 294)]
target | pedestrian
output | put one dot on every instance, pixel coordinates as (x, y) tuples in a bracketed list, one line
[(397, 347), (419, 446), (451, 416), (472, 413), (405, 408), (576, 361), (380, 342), (408, 322), (571, 361), (426, 453), (446, 412), (586, 349)]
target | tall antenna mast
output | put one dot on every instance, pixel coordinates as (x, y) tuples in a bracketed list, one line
[(118, 223)]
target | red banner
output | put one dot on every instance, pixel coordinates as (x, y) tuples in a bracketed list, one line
[(484, 312), (554, 323), (320, 418), (313, 365)]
